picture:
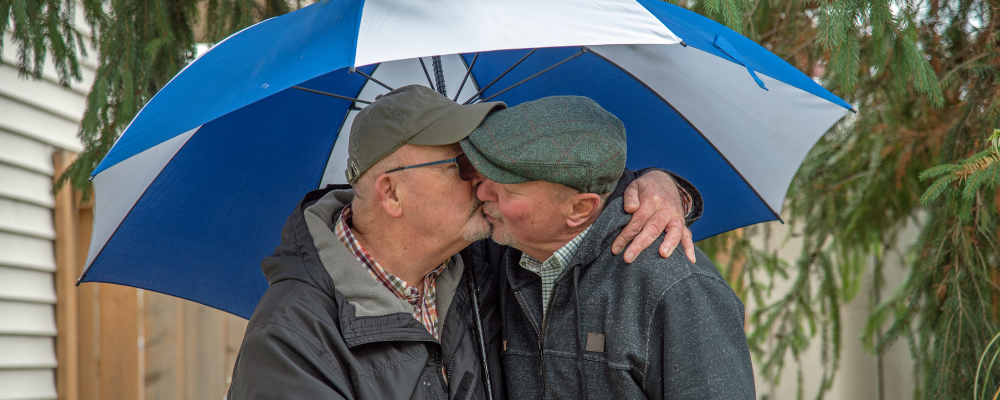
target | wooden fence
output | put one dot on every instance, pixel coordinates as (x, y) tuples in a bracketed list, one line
[(117, 342)]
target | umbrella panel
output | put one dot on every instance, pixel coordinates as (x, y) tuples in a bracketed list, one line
[(240, 176), (700, 32)]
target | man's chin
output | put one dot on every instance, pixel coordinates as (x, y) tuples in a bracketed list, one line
[(477, 229), (503, 237)]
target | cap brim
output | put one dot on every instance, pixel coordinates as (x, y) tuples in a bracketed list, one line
[(455, 125), (488, 168)]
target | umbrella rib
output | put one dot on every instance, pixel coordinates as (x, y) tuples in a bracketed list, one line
[(579, 53), (439, 75), (480, 92), (427, 74), (331, 94), (371, 79), (466, 78)]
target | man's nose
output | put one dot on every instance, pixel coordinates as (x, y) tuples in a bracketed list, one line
[(487, 189)]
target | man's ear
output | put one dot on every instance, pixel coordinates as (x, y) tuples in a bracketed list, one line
[(583, 206), (388, 195)]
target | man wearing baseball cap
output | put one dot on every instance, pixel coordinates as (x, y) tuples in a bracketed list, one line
[(580, 322), (377, 293)]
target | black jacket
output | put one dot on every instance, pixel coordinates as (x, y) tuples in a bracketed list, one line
[(310, 339), (660, 328)]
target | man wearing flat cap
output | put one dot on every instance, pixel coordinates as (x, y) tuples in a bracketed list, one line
[(381, 292), (579, 322)]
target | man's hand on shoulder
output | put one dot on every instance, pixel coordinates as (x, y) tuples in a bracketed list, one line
[(656, 205)]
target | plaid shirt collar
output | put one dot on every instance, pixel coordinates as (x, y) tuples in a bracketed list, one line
[(551, 268), (424, 307)]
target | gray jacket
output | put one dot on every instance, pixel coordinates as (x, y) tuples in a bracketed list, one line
[(326, 330), (656, 328)]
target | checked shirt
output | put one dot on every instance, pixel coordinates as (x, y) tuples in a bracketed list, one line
[(551, 268), (424, 307)]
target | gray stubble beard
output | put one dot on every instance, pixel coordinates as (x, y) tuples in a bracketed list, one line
[(500, 235), (478, 227)]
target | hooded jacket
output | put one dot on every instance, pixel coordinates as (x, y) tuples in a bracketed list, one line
[(655, 328), (326, 330)]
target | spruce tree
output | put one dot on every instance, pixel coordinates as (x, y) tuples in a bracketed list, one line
[(923, 76)]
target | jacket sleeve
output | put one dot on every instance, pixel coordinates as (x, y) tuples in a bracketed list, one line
[(275, 362), (697, 203), (698, 348)]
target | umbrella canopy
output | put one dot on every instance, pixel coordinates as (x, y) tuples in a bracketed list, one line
[(195, 192)]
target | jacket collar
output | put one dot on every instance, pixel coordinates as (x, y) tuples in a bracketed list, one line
[(368, 312), (612, 219)]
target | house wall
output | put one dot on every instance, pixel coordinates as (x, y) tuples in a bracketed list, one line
[(36, 119)]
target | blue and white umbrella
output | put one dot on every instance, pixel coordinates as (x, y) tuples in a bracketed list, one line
[(195, 192)]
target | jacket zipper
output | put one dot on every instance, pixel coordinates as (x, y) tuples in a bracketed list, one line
[(438, 367), (451, 361), (541, 357), (541, 338), (541, 333)]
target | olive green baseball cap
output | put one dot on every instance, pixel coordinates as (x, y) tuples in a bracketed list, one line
[(569, 140), (412, 114)]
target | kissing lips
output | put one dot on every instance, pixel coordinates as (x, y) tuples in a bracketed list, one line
[(491, 213)]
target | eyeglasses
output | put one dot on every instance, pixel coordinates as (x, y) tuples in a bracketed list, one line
[(465, 169)]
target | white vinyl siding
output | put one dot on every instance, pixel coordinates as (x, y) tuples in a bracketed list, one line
[(27, 352), (45, 97), (27, 263), (27, 154), (36, 118), (21, 251), (24, 318), (18, 284), (35, 123), (27, 186), (26, 219), (21, 384)]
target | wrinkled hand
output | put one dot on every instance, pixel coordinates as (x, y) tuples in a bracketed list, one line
[(656, 206)]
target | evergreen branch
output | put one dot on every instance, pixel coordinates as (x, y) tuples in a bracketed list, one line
[(977, 165), (43, 31), (971, 172), (939, 170), (831, 25), (936, 189), (728, 12)]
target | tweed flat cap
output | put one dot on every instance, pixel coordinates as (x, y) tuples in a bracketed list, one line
[(569, 140)]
